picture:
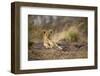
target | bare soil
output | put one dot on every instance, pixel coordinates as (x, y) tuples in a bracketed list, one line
[(69, 51)]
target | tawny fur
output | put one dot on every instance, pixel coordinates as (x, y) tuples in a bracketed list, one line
[(48, 41)]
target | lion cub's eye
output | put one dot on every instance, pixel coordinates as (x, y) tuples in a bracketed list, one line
[(44, 32)]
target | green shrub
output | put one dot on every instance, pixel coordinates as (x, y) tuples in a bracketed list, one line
[(73, 36)]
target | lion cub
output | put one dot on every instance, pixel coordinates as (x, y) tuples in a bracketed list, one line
[(48, 40)]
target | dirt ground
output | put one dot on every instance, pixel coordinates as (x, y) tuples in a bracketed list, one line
[(68, 51)]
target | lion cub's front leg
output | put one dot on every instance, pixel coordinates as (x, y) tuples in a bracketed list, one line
[(46, 45)]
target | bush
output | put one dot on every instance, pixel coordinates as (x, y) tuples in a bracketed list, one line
[(72, 34)]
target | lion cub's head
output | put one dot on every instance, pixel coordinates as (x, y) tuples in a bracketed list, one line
[(47, 34)]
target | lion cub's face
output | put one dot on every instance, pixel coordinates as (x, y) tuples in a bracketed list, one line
[(47, 34), (47, 38)]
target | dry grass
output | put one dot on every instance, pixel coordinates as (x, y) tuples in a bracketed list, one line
[(54, 54), (69, 52)]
